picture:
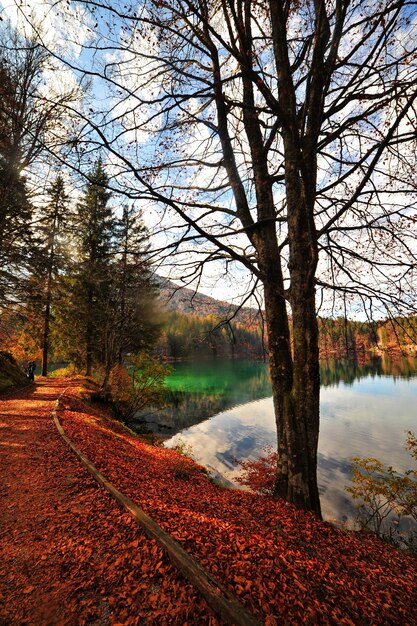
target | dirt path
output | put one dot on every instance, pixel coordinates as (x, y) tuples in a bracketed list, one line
[(67, 553)]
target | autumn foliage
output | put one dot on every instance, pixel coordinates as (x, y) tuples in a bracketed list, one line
[(96, 566), (381, 492), (259, 474), (139, 386)]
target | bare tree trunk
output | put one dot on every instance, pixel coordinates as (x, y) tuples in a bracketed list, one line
[(306, 398), (296, 388), (45, 340), (89, 334)]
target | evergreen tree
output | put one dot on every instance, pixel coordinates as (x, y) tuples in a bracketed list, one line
[(135, 290), (68, 330), (105, 309), (95, 226), (131, 322), (40, 285), (54, 219)]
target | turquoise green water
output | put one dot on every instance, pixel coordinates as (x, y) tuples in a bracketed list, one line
[(239, 378), (224, 411), (247, 378)]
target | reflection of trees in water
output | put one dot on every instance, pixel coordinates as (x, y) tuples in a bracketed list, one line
[(399, 366), (219, 376), (184, 410), (214, 387), (221, 386), (334, 371)]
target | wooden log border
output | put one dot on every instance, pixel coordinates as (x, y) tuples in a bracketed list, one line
[(224, 603)]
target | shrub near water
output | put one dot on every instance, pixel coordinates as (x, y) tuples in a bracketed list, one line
[(382, 491), (138, 386)]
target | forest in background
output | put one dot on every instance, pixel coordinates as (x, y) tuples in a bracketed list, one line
[(187, 335)]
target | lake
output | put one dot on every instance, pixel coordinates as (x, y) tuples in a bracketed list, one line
[(224, 411)]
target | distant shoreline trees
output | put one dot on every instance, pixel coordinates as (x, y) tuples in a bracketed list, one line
[(187, 336)]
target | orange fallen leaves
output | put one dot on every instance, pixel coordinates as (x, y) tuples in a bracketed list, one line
[(68, 555), (285, 566)]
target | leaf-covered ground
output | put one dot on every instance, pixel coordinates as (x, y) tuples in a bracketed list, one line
[(69, 556)]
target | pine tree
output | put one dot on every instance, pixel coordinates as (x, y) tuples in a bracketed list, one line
[(95, 225), (106, 304), (136, 292), (131, 321), (53, 221)]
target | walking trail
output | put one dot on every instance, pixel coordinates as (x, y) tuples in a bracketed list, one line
[(68, 555)]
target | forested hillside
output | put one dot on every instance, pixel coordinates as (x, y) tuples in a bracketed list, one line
[(197, 325), (186, 336), (183, 300)]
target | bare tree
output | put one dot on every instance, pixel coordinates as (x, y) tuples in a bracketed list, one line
[(278, 135)]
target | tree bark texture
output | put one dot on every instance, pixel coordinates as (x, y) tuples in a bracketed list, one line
[(45, 341), (296, 390), (89, 333)]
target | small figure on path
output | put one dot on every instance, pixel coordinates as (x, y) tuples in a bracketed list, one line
[(31, 370)]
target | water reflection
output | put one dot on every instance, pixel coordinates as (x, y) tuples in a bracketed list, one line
[(198, 390), (365, 411), (333, 371)]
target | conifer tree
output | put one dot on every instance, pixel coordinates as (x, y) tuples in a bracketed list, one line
[(131, 324), (95, 224), (134, 288), (54, 219), (106, 304)]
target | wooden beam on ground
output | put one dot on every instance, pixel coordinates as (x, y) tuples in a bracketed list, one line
[(224, 603)]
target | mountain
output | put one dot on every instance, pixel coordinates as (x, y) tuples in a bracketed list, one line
[(190, 302)]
